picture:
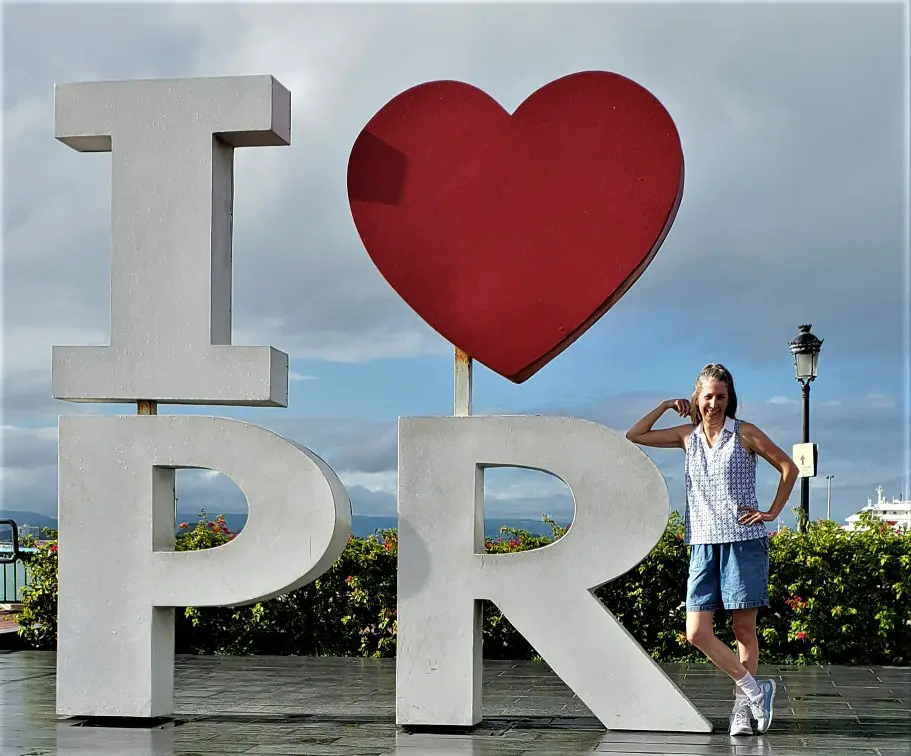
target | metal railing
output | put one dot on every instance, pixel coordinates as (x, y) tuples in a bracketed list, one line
[(14, 562)]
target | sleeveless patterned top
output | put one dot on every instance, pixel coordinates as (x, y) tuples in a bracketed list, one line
[(719, 480)]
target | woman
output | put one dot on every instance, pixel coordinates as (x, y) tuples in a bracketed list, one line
[(725, 529)]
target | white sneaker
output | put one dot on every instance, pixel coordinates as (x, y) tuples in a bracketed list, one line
[(740, 718), (763, 710)]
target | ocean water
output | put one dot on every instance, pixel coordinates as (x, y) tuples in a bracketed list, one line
[(366, 525)]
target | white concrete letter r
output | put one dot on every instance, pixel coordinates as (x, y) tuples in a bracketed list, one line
[(622, 509)]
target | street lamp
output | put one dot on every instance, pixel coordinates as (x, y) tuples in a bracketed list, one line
[(805, 348), (829, 498)]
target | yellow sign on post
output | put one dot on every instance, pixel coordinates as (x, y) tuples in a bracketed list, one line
[(805, 457)]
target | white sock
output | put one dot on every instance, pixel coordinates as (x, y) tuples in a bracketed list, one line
[(750, 688)]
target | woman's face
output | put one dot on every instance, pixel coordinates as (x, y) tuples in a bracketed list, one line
[(713, 401)]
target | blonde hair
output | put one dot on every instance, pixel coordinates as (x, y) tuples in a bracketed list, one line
[(717, 372)]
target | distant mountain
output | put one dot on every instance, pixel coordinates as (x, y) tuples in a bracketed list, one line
[(28, 518), (362, 525)]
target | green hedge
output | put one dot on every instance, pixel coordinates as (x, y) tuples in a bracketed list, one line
[(837, 597)]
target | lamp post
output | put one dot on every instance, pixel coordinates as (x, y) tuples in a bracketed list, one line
[(805, 348), (829, 498)]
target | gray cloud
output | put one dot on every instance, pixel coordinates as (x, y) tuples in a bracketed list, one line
[(346, 444), (366, 502), (869, 423), (793, 154), (369, 452), (791, 122), (31, 448)]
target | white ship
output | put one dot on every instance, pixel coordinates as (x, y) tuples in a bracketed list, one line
[(896, 512)]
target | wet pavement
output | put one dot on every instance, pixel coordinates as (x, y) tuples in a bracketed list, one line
[(332, 707)]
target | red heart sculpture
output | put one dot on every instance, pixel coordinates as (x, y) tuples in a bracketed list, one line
[(512, 234)]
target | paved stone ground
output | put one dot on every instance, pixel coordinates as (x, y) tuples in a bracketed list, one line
[(7, 622), (335, 707)]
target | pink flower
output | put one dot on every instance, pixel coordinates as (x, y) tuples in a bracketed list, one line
[(801, 635), (184, 526)]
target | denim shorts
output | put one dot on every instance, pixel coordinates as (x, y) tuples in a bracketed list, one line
[(728, 575)]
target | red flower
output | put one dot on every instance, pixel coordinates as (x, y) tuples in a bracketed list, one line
[(801, 635), (184, 526), (515, 543), (796, 602), (53, 548)]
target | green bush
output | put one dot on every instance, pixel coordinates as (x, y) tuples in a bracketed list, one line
[(38, 619), (837, 597), (347, 611)]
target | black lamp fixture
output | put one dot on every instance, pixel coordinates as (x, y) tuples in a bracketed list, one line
[(805, 348)]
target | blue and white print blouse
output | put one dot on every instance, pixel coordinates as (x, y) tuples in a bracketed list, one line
[(719, 481)]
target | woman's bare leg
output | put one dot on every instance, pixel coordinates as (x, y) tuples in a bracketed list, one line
[(747, 639), (701, 633)]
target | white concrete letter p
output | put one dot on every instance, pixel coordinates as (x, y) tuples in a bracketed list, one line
[(118, 571)]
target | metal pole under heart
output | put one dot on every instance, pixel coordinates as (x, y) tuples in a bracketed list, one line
[(463, 383)]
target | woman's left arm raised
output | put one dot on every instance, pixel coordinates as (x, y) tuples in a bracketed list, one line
[(754, 440)]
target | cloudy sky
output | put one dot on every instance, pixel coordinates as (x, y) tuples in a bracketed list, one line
[(793, 125)]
